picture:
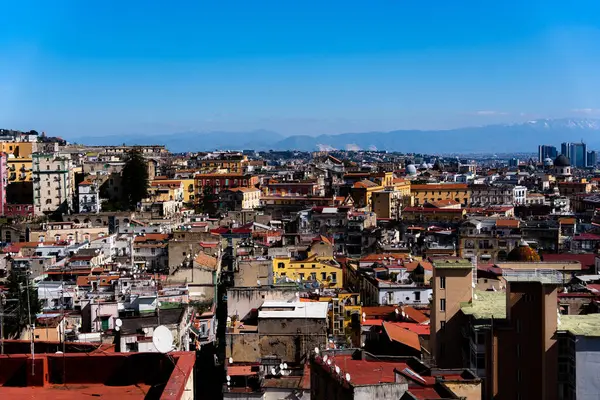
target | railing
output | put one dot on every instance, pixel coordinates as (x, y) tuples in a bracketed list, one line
[(537, 275)]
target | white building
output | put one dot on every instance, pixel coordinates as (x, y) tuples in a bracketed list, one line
[(89, 197), (51, 183), (519, 195)]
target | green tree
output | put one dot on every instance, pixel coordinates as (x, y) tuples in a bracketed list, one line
[(21, 303), (135, 179), (208, 202)]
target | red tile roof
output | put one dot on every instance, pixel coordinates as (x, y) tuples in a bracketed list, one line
[(401, 335), (415, 314)]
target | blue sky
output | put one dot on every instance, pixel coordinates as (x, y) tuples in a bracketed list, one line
[(73, 68)]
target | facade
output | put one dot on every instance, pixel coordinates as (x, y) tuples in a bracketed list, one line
[(240, 198), (452, 285), (51, 183), (89, 197), (485, 195), (387, 204), (459, 192), (488, 239), (519, 195), (218, 182)]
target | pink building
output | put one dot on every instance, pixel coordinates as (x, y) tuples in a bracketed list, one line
[(18, 210)]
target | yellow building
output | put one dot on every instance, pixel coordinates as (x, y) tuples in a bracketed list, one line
[(362, 192), (166, 190), (189, 189), (19, 169), (18, 149), (428, 193), (319, 267)]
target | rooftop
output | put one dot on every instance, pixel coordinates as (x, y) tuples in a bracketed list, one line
[(485, 305), (580, 325), (543, 276), (445, 263), (282, 309)]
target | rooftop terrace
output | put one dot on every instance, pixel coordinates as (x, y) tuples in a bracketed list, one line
[(486, 305)]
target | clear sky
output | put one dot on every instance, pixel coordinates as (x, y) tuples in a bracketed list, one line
[(112, 67)]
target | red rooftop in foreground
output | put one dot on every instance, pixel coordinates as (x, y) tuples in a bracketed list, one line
[(106, 376)]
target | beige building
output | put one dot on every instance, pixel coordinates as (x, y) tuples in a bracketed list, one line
[(52, 190), (452, 285), (67, 231), (428, 193), (387, 204)]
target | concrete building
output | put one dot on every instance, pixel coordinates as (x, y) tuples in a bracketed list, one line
[(51, 183), (355, 374), (89, 197), (452, 285), (240, 198), (387, 204), (459, 192)]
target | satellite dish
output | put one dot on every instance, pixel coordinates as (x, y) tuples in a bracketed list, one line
[(325, 358), (285, 365), (118, 328), (396, 311), (230, 360), (348, 377), (273, 371), (258, 282), (281, 366), (162, 339), (228, 378), (118, 322), (337, 369), (329, 362), (316, 350)]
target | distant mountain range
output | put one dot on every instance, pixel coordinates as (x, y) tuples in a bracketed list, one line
[(500, 138)]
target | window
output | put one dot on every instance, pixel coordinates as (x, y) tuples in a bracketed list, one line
[(313, 276), (323, 276), (417, 296), (302, 276), (443, 282), (333, 277), (301, 265), (442, 325), (281, 265), (314, 266), (442, 304), (153, 250)]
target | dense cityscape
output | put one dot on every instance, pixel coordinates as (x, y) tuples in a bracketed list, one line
[(131, 271)]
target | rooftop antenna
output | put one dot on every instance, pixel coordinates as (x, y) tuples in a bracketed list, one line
[(162, 338)]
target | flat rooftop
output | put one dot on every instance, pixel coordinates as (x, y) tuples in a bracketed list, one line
[(105, 375), (543, 276), (580, 325), (282, 309), (485, 305), (454, 262)]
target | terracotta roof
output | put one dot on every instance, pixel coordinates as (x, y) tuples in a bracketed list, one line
[(401, 335), (365, 183), (205, 260), (433, 210), (440, 187), (86, 182), (419, 329), (415, 314), (567, 221), (373, 322), (240, 370), (152, 237), (507, 223)]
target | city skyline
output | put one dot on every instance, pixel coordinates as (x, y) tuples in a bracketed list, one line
[(295, 69)]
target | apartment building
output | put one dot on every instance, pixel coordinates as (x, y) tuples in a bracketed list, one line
[(427, 193), (52, 183)]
